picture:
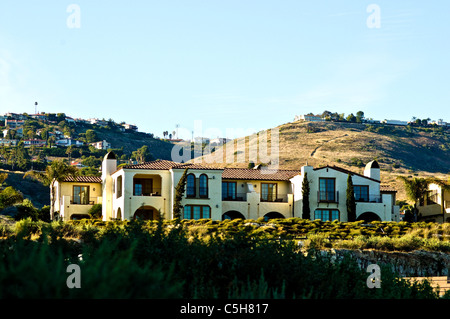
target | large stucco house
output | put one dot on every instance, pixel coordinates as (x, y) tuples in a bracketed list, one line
[(147, 191)]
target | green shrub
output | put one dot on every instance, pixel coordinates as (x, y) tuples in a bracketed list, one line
[(95, 211)]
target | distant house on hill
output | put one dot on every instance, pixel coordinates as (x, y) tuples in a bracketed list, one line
[(34, 142), (68, 142), (39, 116), (130, 127), (14, 123), (101, 145), (308, 118), (394, 122), (8, 142)]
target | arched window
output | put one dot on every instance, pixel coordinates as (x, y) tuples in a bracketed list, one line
[(190, 185), (203, 187)]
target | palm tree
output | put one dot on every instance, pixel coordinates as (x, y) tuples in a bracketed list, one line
[(416, 189), (57, 171)]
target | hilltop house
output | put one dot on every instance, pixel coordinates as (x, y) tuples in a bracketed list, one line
[(435, 205), (147, 191)]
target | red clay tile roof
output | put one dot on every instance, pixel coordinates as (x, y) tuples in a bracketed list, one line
[(259, 174), (387, 188), (346, 171), (166, 165), (158, 164), (84, 179)]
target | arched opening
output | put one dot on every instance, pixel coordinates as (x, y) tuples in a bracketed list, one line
[(146, 213), (232, 214), (273, 215), (369, 217), (79, 216), (119, 213)]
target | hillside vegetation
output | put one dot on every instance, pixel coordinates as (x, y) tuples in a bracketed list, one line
[(400, 150), (193, 259)]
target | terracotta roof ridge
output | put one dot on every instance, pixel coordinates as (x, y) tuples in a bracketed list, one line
[(344, 170)]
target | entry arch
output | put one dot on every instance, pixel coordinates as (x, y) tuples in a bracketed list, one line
[(369, 217), (232, 214), (146, 213), (273, 215)]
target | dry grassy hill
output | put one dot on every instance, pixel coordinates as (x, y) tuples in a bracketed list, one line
[(400, 150)]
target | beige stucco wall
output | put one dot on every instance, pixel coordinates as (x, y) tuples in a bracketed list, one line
[(129, 203), (253, 207), (214, 200), (383, 210), (64, 194)]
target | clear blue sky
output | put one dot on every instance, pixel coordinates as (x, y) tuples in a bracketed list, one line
[(233, 64)]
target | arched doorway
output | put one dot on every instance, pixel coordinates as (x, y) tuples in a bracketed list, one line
[(273, 215), (369, 217), (146, 213), (232, 214)]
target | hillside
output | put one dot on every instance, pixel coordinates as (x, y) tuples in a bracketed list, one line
[(130, 141), (400, 150)]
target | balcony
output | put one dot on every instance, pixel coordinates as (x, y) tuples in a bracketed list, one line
[(79, 200), (150, 192), (238, 197), (369, 199), (272, 198), (328, 197)]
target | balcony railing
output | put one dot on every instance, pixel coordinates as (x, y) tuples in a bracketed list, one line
[(328, 197), (278, 198), (78, 200), (238, 197), (369, 199), (153, 192)]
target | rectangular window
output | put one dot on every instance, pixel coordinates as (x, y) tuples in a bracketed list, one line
[(196, 212), (119, 186), (187, 212), (327, 190), (326, 214), (361, 193), (229, 190), (137, 189), (203, 186), (81, 195), (268, 192), (142, 186)]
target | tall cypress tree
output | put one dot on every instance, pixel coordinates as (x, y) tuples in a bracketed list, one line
[(351, 202), (179, 191), (306, 211)]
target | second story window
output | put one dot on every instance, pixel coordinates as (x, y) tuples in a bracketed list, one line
[(268, 192), (119, 187), (228, 190), (190, 185), (80, 195), (327, 188), (361, 193), (203, 186)]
